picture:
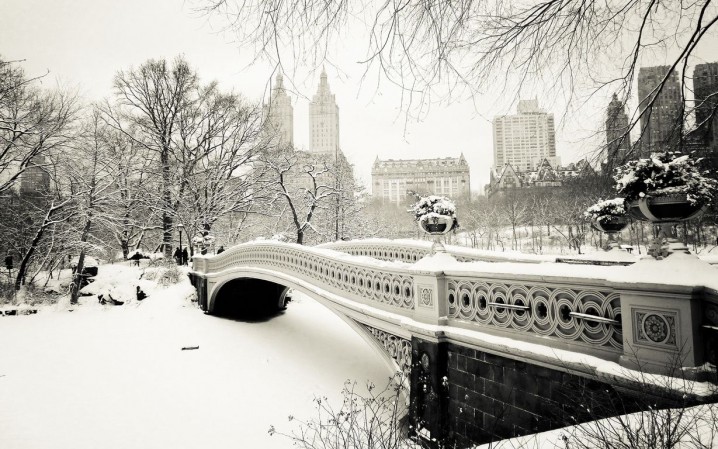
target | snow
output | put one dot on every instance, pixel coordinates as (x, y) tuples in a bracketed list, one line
[(88, 262), (677, 270), (508, 255), (116, 377)]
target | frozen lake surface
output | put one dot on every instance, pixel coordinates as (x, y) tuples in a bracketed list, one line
[(116, 377)]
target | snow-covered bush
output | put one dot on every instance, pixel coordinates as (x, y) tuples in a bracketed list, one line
[(88, 262), (606, 210), (665, 174), (434, 206), (164, 274), (371, 419)]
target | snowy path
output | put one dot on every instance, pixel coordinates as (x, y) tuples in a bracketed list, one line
[(117, 377)]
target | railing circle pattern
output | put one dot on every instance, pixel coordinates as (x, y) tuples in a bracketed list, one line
[(539, 309)]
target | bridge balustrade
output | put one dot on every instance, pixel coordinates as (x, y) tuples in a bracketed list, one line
[(585, 314), (581, 315), (369, 281), (411, 251)]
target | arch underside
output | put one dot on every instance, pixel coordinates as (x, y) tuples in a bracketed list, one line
[(387, 339)]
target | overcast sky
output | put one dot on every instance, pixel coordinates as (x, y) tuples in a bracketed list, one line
[(83, 43)]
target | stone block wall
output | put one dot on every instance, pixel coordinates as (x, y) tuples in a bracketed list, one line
[(493, 397)]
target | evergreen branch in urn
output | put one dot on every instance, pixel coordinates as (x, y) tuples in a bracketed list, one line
[(665, 174), (434, 206), (606, 211)]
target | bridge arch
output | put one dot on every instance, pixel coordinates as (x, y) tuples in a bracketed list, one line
[(479, 330), (393, 351)]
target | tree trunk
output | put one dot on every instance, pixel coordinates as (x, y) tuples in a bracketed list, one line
[(77, 279), (25, 262), (166, 205)]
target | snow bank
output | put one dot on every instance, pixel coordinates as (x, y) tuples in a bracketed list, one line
[(693, 427), (117, 377)]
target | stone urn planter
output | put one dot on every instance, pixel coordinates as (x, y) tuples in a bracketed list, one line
[(609, 217), (436, 224), (666, 188), (611, 227), (436, 216), (665, 212), (665, 209)]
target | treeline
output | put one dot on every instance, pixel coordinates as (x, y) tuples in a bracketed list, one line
[(167, 155), (545, 220)]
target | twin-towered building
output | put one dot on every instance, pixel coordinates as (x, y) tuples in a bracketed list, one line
[(323, 118)]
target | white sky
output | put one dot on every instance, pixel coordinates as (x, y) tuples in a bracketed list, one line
[(83, 43)]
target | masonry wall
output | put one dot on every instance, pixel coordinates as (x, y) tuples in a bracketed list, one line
[(493, 397)]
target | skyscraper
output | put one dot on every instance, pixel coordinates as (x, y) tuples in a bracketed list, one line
[(705, 91), (323, 120), (524, 139), (279, 114), (661, 111), (618, 139)]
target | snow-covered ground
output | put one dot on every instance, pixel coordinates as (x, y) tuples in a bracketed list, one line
[(117, 377)]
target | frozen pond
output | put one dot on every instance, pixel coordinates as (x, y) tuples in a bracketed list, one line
[(117, 377)]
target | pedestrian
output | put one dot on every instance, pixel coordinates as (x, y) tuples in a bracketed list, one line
[(220, 250), (178, 256), (140, 294), (185, 256)]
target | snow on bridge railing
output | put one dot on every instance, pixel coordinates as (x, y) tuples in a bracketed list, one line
[(387, 283), (411, 251)]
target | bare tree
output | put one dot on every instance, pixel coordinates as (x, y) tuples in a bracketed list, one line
[(297, 187), (513, 209), (155, 101), (32, 122), (218, 178)]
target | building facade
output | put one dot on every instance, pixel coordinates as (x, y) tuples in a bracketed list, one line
[(324, 120), (705, 91), (396, 181), (524, 139), (35, 180), (279, 114), (661, 111), (543, 176), (618, 138)]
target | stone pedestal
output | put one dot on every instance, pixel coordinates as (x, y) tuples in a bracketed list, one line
[(430, 303), (660, 331), (429, 397)]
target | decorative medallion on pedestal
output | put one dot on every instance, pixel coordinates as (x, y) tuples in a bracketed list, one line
[(665, 189), (427, 296), (436, 216), (655, 327)]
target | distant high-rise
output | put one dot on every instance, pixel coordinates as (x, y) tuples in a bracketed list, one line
[(324, 120), (661, 112), (618, 139), (35, 179), (705, 91), (279, 114), (526, 138)]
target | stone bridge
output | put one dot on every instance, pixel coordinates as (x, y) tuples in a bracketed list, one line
[(492, 346)]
